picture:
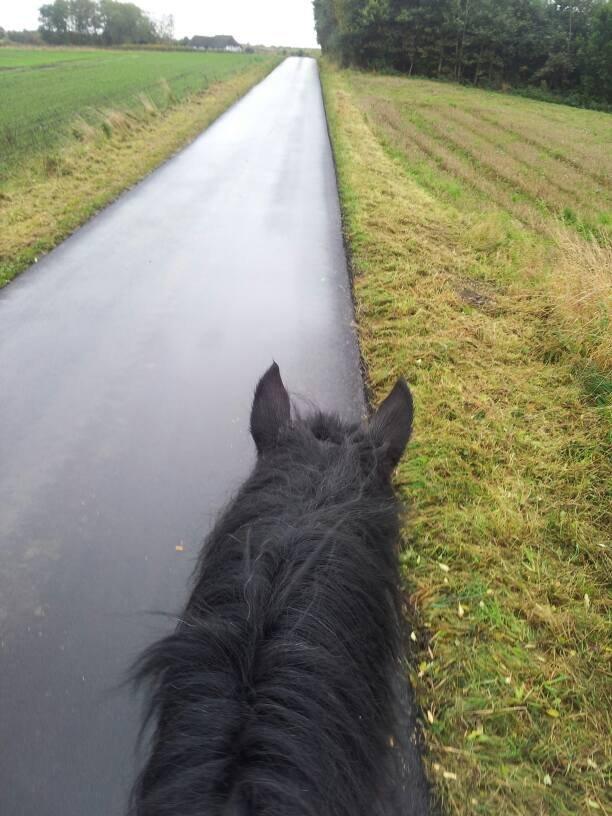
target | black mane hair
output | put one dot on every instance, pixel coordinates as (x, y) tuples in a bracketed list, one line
[(277, 694)]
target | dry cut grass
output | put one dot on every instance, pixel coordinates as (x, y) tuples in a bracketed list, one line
[(532, 161), (469, 282), (580, 284)]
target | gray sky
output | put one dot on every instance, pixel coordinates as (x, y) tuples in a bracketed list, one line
[(269, 22)]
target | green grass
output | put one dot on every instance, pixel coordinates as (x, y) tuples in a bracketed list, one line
[(42, 91), (470, 281), (25, 58)]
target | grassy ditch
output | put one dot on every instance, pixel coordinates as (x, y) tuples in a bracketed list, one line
[(482, 272)]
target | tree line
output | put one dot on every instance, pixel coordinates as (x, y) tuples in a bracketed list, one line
[(560, 45), (105, 22)]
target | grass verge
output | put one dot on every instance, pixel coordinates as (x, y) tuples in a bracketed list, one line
[(48, 197), (500, 321)]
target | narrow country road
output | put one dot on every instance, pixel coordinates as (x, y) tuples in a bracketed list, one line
[(128, 358)]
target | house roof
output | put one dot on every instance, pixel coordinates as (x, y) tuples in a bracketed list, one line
[(218, 41)]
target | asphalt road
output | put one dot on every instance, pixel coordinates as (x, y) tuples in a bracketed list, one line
[(128, 358)]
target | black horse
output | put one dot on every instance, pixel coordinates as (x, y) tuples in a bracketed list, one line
[(279, 692)]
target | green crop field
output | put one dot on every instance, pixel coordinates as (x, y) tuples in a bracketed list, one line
[(78, 126), (24, 58), (42, 91)]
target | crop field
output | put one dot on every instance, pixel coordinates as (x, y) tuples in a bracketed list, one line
[(46, 94), (530, 159), (479, 226)]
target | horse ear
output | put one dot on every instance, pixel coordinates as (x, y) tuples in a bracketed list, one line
[(391, 425), (271, 409)]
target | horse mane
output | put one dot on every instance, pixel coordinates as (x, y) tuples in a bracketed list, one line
[(277, 694)]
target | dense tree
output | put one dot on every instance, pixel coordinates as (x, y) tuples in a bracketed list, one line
[(563, 45), (125, 22), (54, 16), (596, 54), (83, 16)]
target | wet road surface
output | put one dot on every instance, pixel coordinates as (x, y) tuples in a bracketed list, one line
[(128, 358)]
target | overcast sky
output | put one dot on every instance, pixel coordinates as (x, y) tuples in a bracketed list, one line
[(267, 22)]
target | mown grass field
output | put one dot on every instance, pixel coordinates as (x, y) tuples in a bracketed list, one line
[(43, 91), (479, 226), (79, 126)]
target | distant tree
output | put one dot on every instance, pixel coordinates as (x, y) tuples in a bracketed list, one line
[(114, 23), (54, 19), (125, 23), (164, 28), (25, 37), (83, 16)]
